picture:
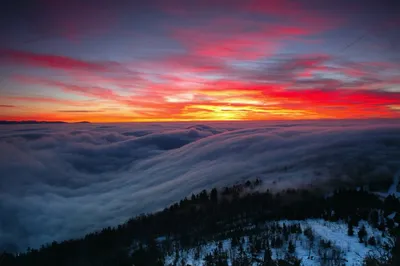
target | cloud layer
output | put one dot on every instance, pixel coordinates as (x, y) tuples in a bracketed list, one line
[(62, 181)]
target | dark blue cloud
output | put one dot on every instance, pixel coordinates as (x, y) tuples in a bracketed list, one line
[(75, 169)]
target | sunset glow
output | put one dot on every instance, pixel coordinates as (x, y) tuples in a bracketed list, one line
[(199, 60)]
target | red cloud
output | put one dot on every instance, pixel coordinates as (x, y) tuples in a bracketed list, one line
[(178, 97), (318, 97), (91, 91), (185, 63), (36, 99), (307, 61), (51, 61), (232, 39)]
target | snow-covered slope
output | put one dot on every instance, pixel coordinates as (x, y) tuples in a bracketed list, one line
[(353, 252)]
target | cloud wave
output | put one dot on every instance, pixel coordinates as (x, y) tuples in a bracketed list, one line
[(62, 181)]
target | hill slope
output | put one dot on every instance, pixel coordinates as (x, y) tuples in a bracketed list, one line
[(240, 225)]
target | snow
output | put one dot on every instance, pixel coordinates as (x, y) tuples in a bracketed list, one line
[(161, 238), (189, 255), (393, 188), (391, 216), (336, 232), (355, 251)]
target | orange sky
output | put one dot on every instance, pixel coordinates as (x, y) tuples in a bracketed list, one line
[(259, 60)]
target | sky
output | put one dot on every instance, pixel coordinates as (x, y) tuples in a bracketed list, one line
[(188, 60)]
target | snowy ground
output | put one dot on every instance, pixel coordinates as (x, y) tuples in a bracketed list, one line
[(354, 251), (336, 232)]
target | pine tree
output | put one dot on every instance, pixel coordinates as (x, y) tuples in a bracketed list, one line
[(267, 261), (209, 260), (183, 262), (350, 229), (220, 245), (214, 195), (234, 241), (291, 247), (374, 217), (362, 234), (396, 252), (197, 253), (372, 241)]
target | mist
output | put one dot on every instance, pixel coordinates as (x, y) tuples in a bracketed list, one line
[(63, 181)]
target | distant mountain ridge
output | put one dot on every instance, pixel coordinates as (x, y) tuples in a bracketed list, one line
[(29, 122)]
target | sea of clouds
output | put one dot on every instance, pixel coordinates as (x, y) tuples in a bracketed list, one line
[(65, 180)]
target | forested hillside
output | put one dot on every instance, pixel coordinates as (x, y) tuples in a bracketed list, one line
[(242, 225)]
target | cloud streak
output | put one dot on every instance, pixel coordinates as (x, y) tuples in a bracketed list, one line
[(49, 61)]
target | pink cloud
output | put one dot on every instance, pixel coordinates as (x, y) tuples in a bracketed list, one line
[(233, 39), (51, 61), (40, 99)]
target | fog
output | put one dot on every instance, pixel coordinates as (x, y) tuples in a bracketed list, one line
[(65, 180)]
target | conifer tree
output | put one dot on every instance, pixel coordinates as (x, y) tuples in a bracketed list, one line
[(350, 229), (362, 234), (267, 261), (291, 247)]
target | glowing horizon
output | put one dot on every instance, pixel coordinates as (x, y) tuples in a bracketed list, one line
[(114, 61)]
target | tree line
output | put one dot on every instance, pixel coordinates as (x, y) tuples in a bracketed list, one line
[(211, 216)]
